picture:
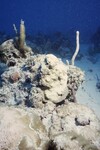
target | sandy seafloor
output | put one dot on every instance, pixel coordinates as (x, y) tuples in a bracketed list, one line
[(88, 94)]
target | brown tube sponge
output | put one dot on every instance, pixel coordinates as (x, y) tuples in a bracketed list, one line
[(22, 35)]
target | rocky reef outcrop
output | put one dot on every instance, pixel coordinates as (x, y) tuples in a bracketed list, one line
[(38, 107), (38, 79)]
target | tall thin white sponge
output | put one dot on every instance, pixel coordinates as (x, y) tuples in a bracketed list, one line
[(77, 48)]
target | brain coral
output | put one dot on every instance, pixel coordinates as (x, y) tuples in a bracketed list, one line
[(21, 130)]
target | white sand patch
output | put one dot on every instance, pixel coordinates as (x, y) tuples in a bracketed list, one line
[(88, 94)]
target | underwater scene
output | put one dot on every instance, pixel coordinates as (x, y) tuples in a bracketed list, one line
[(50, 75)]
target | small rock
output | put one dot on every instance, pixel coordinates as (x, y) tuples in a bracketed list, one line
[(15, 77)]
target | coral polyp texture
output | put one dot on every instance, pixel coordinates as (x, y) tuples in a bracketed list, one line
[(38, 105), (21, 129)]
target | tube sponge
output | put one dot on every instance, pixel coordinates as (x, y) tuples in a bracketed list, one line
[(22, 35), (77, 48)]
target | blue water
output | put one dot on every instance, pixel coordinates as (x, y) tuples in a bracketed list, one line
[(51, 15)]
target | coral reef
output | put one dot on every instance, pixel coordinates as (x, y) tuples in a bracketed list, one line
[(42, 129), (40, 79), (11, 55), (38, 106)]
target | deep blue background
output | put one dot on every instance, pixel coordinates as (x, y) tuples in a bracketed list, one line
[(51, 15)]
